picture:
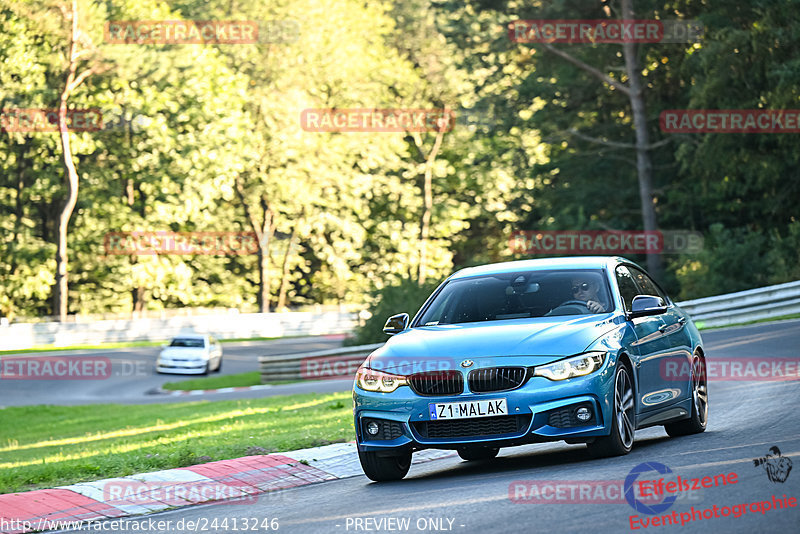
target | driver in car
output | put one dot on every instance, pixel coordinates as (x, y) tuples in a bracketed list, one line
[(586, 290)]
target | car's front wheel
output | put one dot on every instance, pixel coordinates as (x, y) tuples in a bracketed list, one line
[(474, 454), (384, 468), (699, 418), (620, 441)]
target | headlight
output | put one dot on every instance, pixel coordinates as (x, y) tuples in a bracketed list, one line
[(378, 381), (571, 367)]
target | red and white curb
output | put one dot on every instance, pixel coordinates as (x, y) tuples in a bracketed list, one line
[(237, 481)]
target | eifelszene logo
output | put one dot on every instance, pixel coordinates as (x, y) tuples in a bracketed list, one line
[(778, 467)]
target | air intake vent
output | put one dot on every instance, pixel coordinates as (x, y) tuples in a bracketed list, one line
[(501, 425)]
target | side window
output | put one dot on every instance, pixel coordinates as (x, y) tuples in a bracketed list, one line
[(627, 287), (646, 284)]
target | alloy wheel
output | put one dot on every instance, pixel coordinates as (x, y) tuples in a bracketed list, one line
[(700, 389), (623, 403)]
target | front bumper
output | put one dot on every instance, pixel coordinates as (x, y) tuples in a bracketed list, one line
[(540, 410), (194, 367)]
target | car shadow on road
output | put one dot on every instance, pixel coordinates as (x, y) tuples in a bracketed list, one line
[(536, 459)]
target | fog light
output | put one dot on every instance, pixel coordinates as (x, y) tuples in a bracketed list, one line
[(583, 414), (373, 428)]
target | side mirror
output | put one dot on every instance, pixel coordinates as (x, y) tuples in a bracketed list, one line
[(396, 324), (645, 305)]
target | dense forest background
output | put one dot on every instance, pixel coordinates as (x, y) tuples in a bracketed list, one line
[(202, 138)]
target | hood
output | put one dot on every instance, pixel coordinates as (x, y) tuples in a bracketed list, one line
[(183, 352), (539, 340)]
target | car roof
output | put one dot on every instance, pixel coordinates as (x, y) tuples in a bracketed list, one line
[(571, 262)]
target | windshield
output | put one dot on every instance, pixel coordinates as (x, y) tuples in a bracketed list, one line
[(519, 295), (187, 342)]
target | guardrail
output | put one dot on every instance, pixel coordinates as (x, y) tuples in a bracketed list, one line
[(743, 306), (324, 364), (19, 336)]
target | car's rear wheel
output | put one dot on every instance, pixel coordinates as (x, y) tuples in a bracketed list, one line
[(384, 468), (699, 419), (620, 441), (474, 454)]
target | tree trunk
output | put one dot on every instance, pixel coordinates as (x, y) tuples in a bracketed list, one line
[(285, 269), (19, 206), (644, 166), (425, 223), (264, 231), (63, 219), (71, 83), (634, 91), (264, 235), (61, 286), (137, 293), (263, 279)]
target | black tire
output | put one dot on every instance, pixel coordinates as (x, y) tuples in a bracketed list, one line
[(620, 441), (698, 421), (475, 454), (384, 468)]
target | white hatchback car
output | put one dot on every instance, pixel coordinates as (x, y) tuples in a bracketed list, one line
[(190, 354)]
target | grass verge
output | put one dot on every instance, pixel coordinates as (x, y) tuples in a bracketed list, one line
[(46, 446), (757, 321), (252, 378)]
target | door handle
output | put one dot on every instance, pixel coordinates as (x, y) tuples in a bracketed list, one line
[(662, 328), (682, 320)]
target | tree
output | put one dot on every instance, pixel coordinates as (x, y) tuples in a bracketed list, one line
[(79, 49)]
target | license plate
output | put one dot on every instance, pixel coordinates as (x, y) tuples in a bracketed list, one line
[(468, 409)]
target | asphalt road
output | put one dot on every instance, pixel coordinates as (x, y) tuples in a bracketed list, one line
[(133, 379), (746, 419)]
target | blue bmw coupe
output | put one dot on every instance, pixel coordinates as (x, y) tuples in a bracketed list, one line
[(585, 350)]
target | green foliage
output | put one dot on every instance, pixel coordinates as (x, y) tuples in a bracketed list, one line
[(208, 138), (737, 259), (406, 297)]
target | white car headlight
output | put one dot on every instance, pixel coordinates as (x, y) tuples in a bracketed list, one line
[(378, 381), (571, 367)]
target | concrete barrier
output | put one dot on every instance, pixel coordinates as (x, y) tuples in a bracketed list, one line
[(19, 336)]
